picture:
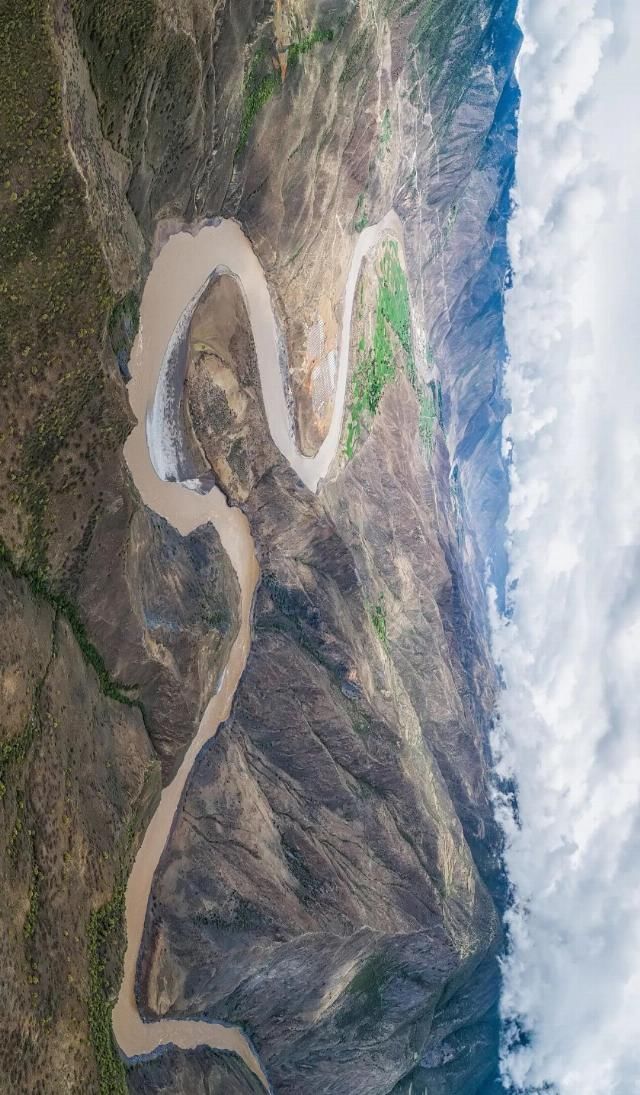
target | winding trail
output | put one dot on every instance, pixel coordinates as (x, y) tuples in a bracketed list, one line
[(154, 456)]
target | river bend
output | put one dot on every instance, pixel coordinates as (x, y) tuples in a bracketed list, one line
[(154, 456)]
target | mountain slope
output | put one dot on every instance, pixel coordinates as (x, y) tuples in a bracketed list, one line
[(305, 120)]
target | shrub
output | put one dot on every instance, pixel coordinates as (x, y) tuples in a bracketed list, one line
[(379, 619)]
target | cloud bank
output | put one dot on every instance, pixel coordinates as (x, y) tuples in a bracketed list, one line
[(569, 726)]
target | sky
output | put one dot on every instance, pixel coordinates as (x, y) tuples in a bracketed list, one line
[(568, 732)]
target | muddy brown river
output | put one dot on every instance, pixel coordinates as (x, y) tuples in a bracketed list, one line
[(178, 277)]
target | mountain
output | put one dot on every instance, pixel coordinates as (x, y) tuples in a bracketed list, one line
[(332, 882)]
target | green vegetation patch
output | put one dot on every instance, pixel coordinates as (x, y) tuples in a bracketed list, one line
[(55, 423), (54, 294), (258, 89), (362, 217), (103, 937), (359, 55), (375, 366), (431, 413), (15, 751), (106, 942), (361, 725), (394, 303), (297, 49), (91, 654), (447, 56), (63, 606), (384, 139), (123, 328), (117, 38), (427, 419), (263, 78), (379, 619)]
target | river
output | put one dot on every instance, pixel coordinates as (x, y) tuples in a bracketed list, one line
[(154, 456)]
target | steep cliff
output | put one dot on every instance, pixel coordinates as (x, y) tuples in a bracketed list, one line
[(329, 882)]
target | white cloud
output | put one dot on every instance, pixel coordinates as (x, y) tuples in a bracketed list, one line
[(569, 730)]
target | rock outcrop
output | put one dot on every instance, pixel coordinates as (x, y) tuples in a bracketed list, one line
[(204, 1070)]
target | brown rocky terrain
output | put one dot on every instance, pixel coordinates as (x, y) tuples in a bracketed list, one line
[(78, 777), (318, 888), (165, 608), (304, 119), (222, 404)]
